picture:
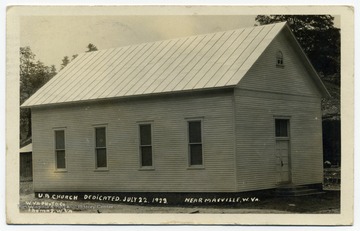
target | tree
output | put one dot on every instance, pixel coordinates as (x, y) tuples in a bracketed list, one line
[(74, 57), (65, 62), (318, 37), (91, 47), (33, 75)]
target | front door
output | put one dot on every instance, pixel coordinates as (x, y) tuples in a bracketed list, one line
[(282, 150)]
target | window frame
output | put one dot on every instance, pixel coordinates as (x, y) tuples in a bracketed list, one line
[(279, 59), (188, 144), (99, 169), (288, 119), (139, 124), (56, 150)]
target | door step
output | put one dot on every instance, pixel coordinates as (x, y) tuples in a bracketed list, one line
[(296, 190)]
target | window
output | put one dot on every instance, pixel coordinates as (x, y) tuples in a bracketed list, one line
[(100, 147), (279, 59), (195, 143), (281, 128), (60, 162), (145, 145)]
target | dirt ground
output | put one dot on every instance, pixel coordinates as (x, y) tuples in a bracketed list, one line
[(328, 202)]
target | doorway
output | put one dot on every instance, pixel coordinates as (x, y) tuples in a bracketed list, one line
[(282, 150)]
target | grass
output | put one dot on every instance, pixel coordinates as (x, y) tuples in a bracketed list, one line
[(332, 178)]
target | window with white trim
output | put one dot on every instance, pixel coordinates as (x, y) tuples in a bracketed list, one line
[(60, 159), (100, 147), (146, 156), (195, 142)]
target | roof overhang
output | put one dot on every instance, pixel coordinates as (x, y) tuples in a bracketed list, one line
[(139, 97)]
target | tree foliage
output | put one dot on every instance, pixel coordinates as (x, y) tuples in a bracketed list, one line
[(74, 57), (317, 36), (33, 75), (65, 61), (91, 47)]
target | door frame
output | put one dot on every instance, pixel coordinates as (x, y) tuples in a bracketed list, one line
[(288, 138)]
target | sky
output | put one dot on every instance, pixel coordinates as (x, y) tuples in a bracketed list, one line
[(53, 37)]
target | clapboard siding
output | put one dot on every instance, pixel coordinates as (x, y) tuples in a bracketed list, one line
[(268, 91), (292, 78), (167, 115), (255, 137)]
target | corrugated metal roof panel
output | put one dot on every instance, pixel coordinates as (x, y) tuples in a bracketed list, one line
[(88, 79), (27, 148), (196, 63), (162, 79), (110, 78), (204, 61), (245, 49)]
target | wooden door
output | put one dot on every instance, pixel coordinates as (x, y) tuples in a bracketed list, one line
[(282, 156), (282, 150)]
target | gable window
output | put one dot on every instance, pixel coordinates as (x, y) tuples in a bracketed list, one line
[(146, 157), (279, 59), (60, 161), (195, 143), (100, 147)]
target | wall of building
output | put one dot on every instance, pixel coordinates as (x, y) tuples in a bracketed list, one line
[(26, 166), (170, 150), (267, 92)]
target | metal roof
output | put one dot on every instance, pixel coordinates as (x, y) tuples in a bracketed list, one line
[(197, 62), (27, 148)]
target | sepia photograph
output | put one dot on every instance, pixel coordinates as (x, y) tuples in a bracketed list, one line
[(194, 112)]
